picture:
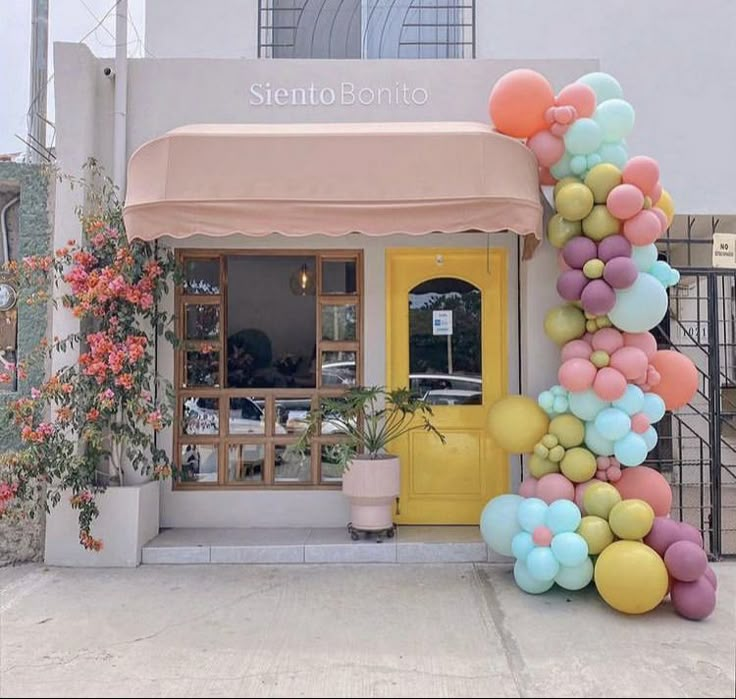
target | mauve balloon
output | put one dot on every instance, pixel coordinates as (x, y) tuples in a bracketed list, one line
[(620, 272), (685, 561), (578, 251), (613, 246), (693, 600), (710, 576), (598, 298), (664, 532), (571, 284), (689, 533)]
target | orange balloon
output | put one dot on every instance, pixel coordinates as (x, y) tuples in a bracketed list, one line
[(518, 102), (644, 483), (678, 378)]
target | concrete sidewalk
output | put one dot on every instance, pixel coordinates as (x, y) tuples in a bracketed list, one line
[(345, 630)]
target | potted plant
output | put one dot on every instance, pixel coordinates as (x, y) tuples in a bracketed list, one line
[(368, 420)]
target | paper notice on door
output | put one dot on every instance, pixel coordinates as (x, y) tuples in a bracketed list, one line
[(442, 322)]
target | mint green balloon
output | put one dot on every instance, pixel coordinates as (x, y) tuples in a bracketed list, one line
[(526, 582), (586, 404), (575, 577), (583, 137), (614, 153), (605, 86), (640, 307), (644, 256), (596, 442), (616, 119), (499, 524), (562, 167)]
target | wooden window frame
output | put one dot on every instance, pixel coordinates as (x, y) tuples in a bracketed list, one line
[(224, 440)]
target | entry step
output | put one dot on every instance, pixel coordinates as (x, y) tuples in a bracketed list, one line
[(330, 545)]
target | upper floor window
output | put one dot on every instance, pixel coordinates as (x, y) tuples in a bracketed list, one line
[(366, 29)]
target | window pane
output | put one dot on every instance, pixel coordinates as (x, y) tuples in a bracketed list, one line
[(339, 277), (339, 323), (291, 465), (247, 416), (198, 463), (202, 277), (271, 323), (202, 321), (246, 462), (8, 349), (291, 415), (445, 342), (332, 462), (201, 415), (201, 368), (338, 369)]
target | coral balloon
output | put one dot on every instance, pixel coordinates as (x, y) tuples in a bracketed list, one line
[(694, 600), (685, 561), (631, 577), (609, 384), (580, 96), (643, 228), (643, 172), (678, 378), (631, 362), (625, 201), (555, 486), (518, 103), (517, 423), (646, 484), (646, 342)]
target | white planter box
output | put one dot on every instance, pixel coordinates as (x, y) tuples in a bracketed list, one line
[(129, 518)]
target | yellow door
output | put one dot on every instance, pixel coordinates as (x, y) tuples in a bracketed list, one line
[(447, 339)]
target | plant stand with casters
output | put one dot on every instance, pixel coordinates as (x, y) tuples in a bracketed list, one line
[(380, 533)]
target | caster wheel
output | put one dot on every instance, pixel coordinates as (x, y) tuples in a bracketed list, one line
[(354, 535), (390, 533)]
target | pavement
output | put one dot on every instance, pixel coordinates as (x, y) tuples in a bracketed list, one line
[(410, 630)]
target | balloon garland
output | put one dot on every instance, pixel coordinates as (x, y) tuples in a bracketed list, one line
[(588, 510)]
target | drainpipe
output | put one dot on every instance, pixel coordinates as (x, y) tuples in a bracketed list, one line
[(4, 224), (39, 81), (121, 96)]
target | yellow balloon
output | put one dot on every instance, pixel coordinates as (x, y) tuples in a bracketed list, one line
[(631, 519), (560, 230), (631, 577), (579, 465), (517, 423), (574, 201), (601, 180), (561, 183), (667, 205), (600, 498), (599, 223), (564, 323), (596, 532), (539, 467), (569, 430)]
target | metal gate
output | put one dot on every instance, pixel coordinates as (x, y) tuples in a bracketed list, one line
[(697, 444)]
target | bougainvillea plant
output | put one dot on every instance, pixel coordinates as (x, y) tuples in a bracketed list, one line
[(98, 414)]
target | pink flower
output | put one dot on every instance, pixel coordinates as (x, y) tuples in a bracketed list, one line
[(108, 394), (35, 393)]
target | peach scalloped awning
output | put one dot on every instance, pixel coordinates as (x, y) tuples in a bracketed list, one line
[(331, 179)]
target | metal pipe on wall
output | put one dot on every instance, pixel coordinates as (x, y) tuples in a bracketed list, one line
[(121, 95), (39, 81)]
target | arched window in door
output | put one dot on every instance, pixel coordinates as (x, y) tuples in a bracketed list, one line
[(445, 351)]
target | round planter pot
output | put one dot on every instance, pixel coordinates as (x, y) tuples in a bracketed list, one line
[(131, 476), (372, 486)]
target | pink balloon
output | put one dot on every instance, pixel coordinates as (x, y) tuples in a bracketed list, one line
[(644, 341), (643, 172), (663, 534), (570, 284), (528, 487), (580, 96), (694, 600), (640, 423), (548, 148), (620, 272), (710, 576), (614, 474), (542, 536), (643, 229), (577, 374), (689, 533), (558, 130), (576, 349), (609, 384), (554, 486), (625, 201), (630, 361), (580, 489), (656, 194), (662, 216), (685, 561), (608, 340), (598, 298)]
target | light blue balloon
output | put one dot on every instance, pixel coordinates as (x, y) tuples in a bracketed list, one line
[(631, 450), (554, 401), (596, 442), (546, 400), (612, 423), (663, 273), (521, 545), (616, 119), (576, 577), (578, 164), (570, 549), (605, 86), (499, 524), (653, 407), (527, 583), (583, 137), (562, 167), (561, 405), (650, 438), (632, 402), (614, 153), (563, 516), (531, 514), (542, 564), (586, 404), (593, 159), (640, 307), (644, 256)]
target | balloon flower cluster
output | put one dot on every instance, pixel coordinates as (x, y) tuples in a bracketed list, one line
[(587, 509)]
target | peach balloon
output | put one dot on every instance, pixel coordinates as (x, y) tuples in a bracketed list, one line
[(609, 384), (608, 339), (519, 101), (554, 486), (580, 96), (631, 362), (656, 193), (644, 483), (640, 423), (625, 201), (579, 349), (547, 147), (678, 378), (577, 374), (646, 342), (643, 229), (643, 172)]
